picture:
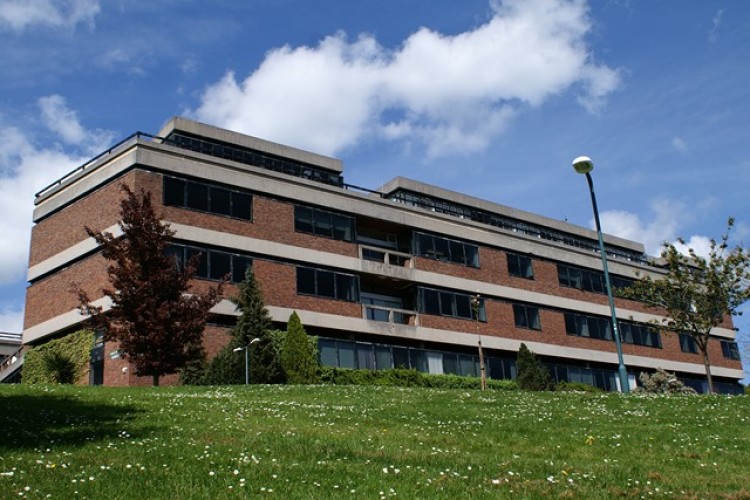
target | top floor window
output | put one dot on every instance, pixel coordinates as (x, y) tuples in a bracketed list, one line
[(520, 265), (207, 197), (324, 223), (439, 248)]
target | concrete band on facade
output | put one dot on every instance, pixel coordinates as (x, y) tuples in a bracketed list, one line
[(152, 157)]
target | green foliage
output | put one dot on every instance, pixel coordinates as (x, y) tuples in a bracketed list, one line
[(255, 322), (532, 375), (697, 292), (298, 356), (662, 382), (401, 377), (158, 326), (60, 361), (576, 387)]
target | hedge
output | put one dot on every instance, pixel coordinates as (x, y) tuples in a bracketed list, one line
[(408, 378), (45, 364)]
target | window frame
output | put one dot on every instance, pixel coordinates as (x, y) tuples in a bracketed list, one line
[(171, 186), (527, 317), (518, 263), (182, 253), (336, 226), (436, 247), (348, 291)]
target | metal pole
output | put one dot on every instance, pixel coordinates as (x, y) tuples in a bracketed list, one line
[(622, 371), (247, 365), (475, 302)]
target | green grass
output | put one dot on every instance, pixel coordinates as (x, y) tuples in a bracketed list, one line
[(367, 442)]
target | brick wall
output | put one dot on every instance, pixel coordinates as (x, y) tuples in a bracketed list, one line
[(63, 229)]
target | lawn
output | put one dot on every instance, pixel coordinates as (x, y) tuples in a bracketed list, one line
[(367, 442)]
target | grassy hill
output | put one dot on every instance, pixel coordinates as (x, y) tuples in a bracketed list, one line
[(367, 442)]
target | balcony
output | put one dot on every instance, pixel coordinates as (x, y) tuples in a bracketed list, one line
[(390, 315)]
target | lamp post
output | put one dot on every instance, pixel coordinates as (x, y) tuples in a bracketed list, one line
[(247, 358), (475, 303), (584, 165)]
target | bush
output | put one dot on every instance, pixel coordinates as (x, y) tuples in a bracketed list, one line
[(401, 377), (577, 387), (662, 382), (298, 355), (532, 375), (60, 361)]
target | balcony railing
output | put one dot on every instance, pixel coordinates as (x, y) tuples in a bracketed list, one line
[(385, 256), (389, 315)]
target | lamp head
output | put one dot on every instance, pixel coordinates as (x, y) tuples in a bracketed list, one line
[(583, 165)]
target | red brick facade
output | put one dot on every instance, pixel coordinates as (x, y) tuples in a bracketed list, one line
[(49, 296)]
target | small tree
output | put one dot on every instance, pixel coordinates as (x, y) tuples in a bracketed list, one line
[(698, 292), (155, 323), (532, 375), (255, 322), (298, 357)]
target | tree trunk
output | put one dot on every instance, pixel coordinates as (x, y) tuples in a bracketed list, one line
[(156, 380), (707, 366)]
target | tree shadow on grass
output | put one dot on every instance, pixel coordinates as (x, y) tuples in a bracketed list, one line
[(34, 421)]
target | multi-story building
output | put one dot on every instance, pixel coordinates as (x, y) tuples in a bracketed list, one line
[(409, 275)]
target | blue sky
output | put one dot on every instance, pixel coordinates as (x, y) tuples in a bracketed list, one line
[(490, 98)]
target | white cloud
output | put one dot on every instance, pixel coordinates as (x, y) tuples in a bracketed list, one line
[(25, 168), (679, 145), (451, 94), (713, 33), (21, 14), (662, 227), (11, 320), (60, 119), (701, 245)]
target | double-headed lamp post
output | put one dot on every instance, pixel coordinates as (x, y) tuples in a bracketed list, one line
[(247, 358), (584, 165)]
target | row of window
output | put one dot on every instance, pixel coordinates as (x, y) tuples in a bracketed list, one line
[(220, 200), (323, 283), (324, 223), (439, 248), (207, 198), (595, 327), (454, 304), (212, 264), (588, 279)]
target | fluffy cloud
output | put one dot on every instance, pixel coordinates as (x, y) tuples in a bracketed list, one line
[(21, 14), (25, 168), (662, 227), (11, 320), (451, 94)]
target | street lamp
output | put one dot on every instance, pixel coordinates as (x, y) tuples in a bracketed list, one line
[(247, 358), (476, 301), (584, 165)]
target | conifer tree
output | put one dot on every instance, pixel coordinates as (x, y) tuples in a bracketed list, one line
[(255, 322), (158, 326), (298, 357), (531, 374)]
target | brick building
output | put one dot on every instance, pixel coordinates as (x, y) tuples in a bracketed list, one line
[(385, 278)]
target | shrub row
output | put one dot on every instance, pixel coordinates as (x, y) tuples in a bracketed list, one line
[(408, 378)]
